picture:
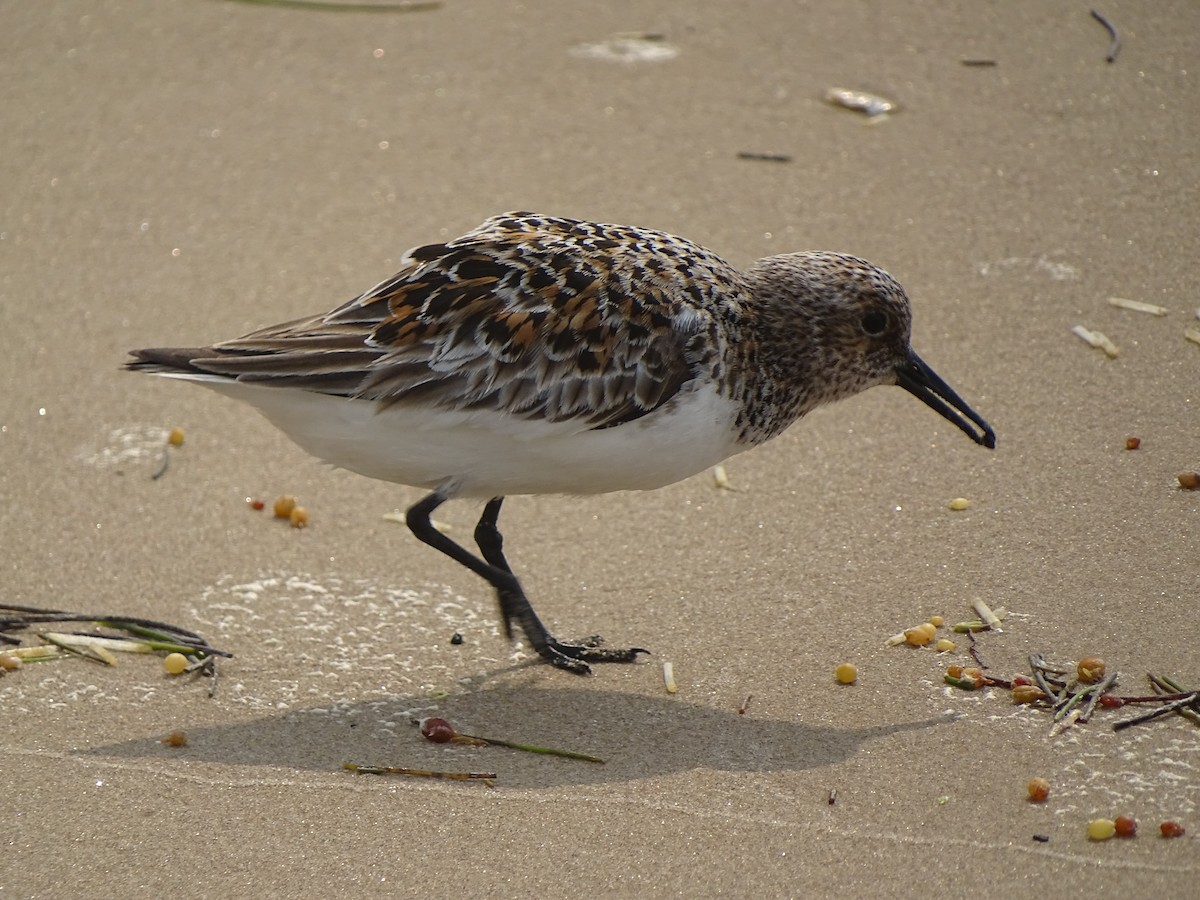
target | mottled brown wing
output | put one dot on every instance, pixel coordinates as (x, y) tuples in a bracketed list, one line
[(542, 318)]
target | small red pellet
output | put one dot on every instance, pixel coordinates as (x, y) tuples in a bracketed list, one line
[(1126, 826), (1171, 829), (437, 730)]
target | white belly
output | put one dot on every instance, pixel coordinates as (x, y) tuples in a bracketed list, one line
[(488, 454)]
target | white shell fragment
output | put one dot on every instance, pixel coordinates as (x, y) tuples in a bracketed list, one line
[(629, 48), (721, 478), (669, 678), (1138, 306), (1097, 339), (871, 104), (1192, 334)]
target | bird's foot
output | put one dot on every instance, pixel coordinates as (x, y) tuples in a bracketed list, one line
[(574, 656)]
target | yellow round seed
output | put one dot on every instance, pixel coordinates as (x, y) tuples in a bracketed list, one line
[(944, 645), (1090, 669), (936, 621), (298, 517), (9, 661), (959, 503), (284, 506), (919, 635), (846, 673), (1101, 829), (175, 438), (175, 663)]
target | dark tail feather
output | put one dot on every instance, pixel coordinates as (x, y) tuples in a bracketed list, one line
[(168, 359)]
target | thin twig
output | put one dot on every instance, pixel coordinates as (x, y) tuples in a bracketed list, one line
[(974, 651), (1165, 683), (1166, 709), (420, 773), (1114, 46), (1095, 693)]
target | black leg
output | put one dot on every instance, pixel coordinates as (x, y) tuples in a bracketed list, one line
[(514, 605)]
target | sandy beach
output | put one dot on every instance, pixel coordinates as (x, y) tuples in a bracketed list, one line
[(172, 174)]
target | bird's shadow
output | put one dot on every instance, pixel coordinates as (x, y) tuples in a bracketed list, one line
[(637, 736)]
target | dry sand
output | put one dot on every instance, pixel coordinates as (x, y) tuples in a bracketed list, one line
[(174, 173)]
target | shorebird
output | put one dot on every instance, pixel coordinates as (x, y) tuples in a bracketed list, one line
[(539, 355)]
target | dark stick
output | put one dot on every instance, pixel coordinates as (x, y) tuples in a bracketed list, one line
[(1189, 700), (974, 651), (1115, 47)]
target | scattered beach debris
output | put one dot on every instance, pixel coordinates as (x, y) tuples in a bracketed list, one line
[(1073, 692), (440, 731), (1097, 339), (745, 705), (1114, 46), (872, 106), (112, 634)]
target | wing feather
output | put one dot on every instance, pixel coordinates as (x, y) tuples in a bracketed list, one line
[(541, 317)]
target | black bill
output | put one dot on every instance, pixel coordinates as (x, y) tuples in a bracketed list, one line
[(924, 384)]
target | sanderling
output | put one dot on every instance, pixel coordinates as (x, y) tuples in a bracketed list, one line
[(540, 355)]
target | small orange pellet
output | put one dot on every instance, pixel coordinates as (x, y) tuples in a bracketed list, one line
[(944, 645), (846, 673), (1132, 443), (1027, 693), (936, 621), (1126, 826), (176, 738), (1189, 480), (9, 661), (254, 503), (175, 438), (1038, 789), (298, 517), (284, 506)]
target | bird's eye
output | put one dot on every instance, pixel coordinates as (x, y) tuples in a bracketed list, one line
[(875, 323)]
